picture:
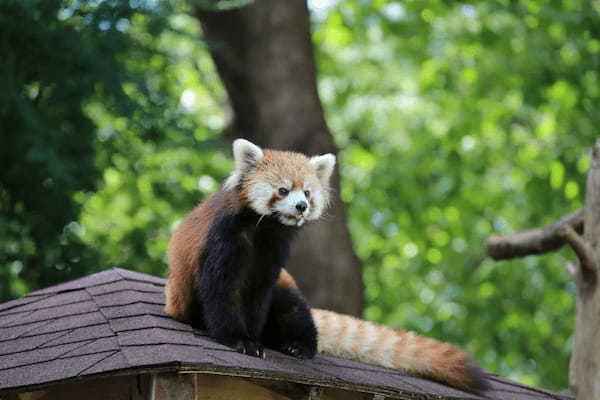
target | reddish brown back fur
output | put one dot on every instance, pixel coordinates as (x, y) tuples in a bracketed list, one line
[(184, 253), (285, 280)]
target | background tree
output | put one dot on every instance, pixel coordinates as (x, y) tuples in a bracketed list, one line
[(275, 104), (454, 120)]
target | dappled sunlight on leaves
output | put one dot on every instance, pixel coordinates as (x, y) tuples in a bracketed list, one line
[(479, 119)]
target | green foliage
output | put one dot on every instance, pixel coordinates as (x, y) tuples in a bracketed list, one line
[(161, 164), (454, 120), (67, 67), (48, 69), (457, 121)]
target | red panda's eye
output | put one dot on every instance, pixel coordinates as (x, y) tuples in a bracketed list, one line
[(283, 191), (307, 193)]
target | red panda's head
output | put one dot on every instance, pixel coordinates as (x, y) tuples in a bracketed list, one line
[(288, 186)]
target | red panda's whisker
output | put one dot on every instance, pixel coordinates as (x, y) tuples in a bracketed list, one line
[(325, 216)]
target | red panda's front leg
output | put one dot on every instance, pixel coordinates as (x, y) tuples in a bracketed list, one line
[(219, 290)]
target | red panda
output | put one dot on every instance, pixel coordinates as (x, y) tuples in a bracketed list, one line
[(226, 274)]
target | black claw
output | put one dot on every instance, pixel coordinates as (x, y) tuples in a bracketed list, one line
[(250, 348), (296, 350)]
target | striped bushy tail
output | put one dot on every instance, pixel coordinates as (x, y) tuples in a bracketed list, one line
[(351, 338)]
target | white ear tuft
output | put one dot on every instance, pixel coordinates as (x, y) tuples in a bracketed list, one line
[(246, 155), (324, 165)]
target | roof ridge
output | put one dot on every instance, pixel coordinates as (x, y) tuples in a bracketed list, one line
[(97, 278), (132, 275), (115, 333), (81, 345), (98, 362)]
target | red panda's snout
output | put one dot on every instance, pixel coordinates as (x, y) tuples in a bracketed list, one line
[(291, 207), (291, 203)]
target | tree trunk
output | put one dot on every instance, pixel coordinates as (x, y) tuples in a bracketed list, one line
[(584, 369), (264, 55)]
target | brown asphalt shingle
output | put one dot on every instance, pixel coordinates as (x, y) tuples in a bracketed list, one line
[(114, 320)]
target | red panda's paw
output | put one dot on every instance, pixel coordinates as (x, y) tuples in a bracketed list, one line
[(250, 348), (298, 350)]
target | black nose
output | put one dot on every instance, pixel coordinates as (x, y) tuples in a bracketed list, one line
[(301, 206)]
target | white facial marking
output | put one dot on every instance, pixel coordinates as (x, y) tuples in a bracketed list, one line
[(319, 204), (287, 208), (260, 193)]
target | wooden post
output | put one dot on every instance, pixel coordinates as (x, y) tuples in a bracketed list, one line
[(584, 369), (172, 386)]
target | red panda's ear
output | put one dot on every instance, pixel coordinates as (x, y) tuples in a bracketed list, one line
[(246, 155), (324, 166)]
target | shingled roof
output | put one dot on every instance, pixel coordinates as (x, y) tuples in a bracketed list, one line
[(113, 322)]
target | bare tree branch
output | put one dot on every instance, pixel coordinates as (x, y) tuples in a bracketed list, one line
[(582, 250), (534, 241)]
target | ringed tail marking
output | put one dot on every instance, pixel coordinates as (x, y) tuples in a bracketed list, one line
[(348, 337)]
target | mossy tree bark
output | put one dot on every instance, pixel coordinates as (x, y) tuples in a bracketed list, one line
[(264, 56), (581, 231)]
